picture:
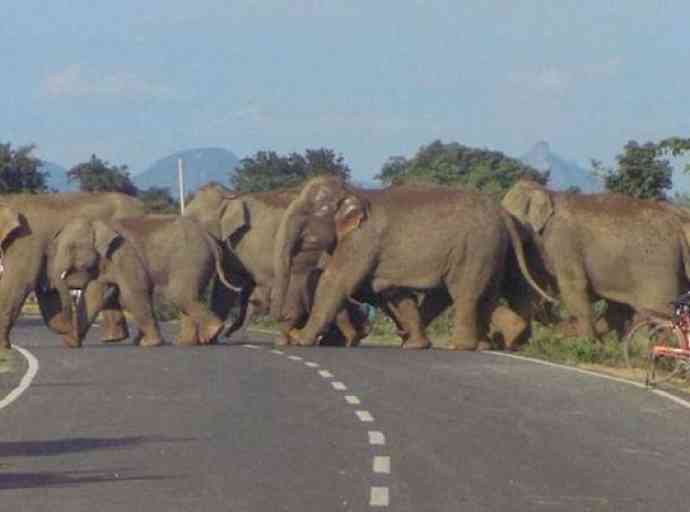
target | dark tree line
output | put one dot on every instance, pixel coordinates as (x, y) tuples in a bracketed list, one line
[(641, 170)]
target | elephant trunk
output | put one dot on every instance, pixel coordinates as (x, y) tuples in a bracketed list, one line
[(287, 237), (520, 254), (66, 301)]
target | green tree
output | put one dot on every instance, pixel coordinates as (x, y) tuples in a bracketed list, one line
[(20, 170), (453, 164), (158, 200), (267, 170), (640, 172), (98, 175)]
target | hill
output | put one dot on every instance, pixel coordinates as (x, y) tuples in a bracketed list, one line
[(564, 174), (57, 177), (201, 165)]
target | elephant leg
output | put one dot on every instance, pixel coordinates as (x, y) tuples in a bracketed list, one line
[(343, 320), (618, 317), (90, 304), (139, 303), (434, 303), (114, 324), (473, 289), (209, 326), (187, 334), (408, 319), (246, 311), (50, 305), (509, 327), (574, 291), (16, 283)]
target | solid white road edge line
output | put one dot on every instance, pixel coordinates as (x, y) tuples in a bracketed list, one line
[(658, 392), (26, 379)]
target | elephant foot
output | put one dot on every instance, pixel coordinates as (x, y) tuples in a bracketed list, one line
[(295, 338), (113, 333), (464, 347), (208, 335), (71, 341), (418, 344), (283, 340), (151, 342)]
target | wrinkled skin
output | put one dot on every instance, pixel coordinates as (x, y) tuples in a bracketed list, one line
[(140, 255), (631, 252), (403, 238), (28, 224), (247, 225)]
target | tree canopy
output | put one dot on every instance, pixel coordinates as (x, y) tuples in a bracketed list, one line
[(98, 175), (20, 170), (267, 170), (641, 171), (453, 164), (158, 200)]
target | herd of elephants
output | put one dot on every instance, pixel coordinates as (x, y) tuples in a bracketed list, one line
[(311, 255)]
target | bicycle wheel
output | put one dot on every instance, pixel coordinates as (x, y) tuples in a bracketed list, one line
[(658, 368), (636, 342)]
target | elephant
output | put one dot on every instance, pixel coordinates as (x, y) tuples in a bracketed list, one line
[(139, 255), (28, 224), (399, 239), (631, 252), (247, 224)]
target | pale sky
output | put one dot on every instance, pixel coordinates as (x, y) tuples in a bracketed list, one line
[(133, 81)]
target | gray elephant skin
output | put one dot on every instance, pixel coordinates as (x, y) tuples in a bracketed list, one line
[(28, 224), (167, 254), (631, 252), (246, 225), (404, 238)]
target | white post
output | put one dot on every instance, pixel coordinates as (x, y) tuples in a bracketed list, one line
[(180, 182)]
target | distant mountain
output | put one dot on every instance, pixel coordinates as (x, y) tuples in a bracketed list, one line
[(57, 177), (201, 165), (564, 174)]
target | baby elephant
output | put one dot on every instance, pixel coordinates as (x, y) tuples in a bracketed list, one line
[(169, 254)]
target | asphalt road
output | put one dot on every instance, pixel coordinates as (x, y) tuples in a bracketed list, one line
[(231, 428)]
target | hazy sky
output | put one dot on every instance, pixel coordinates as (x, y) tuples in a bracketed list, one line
[(133, 81)]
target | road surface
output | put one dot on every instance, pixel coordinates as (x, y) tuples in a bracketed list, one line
[(236, 428)]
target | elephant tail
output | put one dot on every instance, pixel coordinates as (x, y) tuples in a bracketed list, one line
[(685, 249), (218, 259), (520, 254)]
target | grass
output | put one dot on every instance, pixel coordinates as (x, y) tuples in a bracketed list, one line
[(6, 361)]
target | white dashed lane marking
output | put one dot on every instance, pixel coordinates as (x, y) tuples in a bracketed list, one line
[(379, 497), (364, 416), (376, 438), (381, 464)]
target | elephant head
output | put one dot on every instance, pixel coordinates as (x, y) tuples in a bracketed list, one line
[(530, 203), (325, 201), (9, 224), (208, 207), (77, 254)]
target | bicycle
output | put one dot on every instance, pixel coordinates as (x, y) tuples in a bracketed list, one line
[(667, 345)]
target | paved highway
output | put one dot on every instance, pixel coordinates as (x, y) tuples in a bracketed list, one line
[(237, 428)]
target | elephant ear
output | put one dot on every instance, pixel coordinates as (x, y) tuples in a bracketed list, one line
[(351, 213), (104, 238), (234, 218), (9, 223), (540, 209)]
